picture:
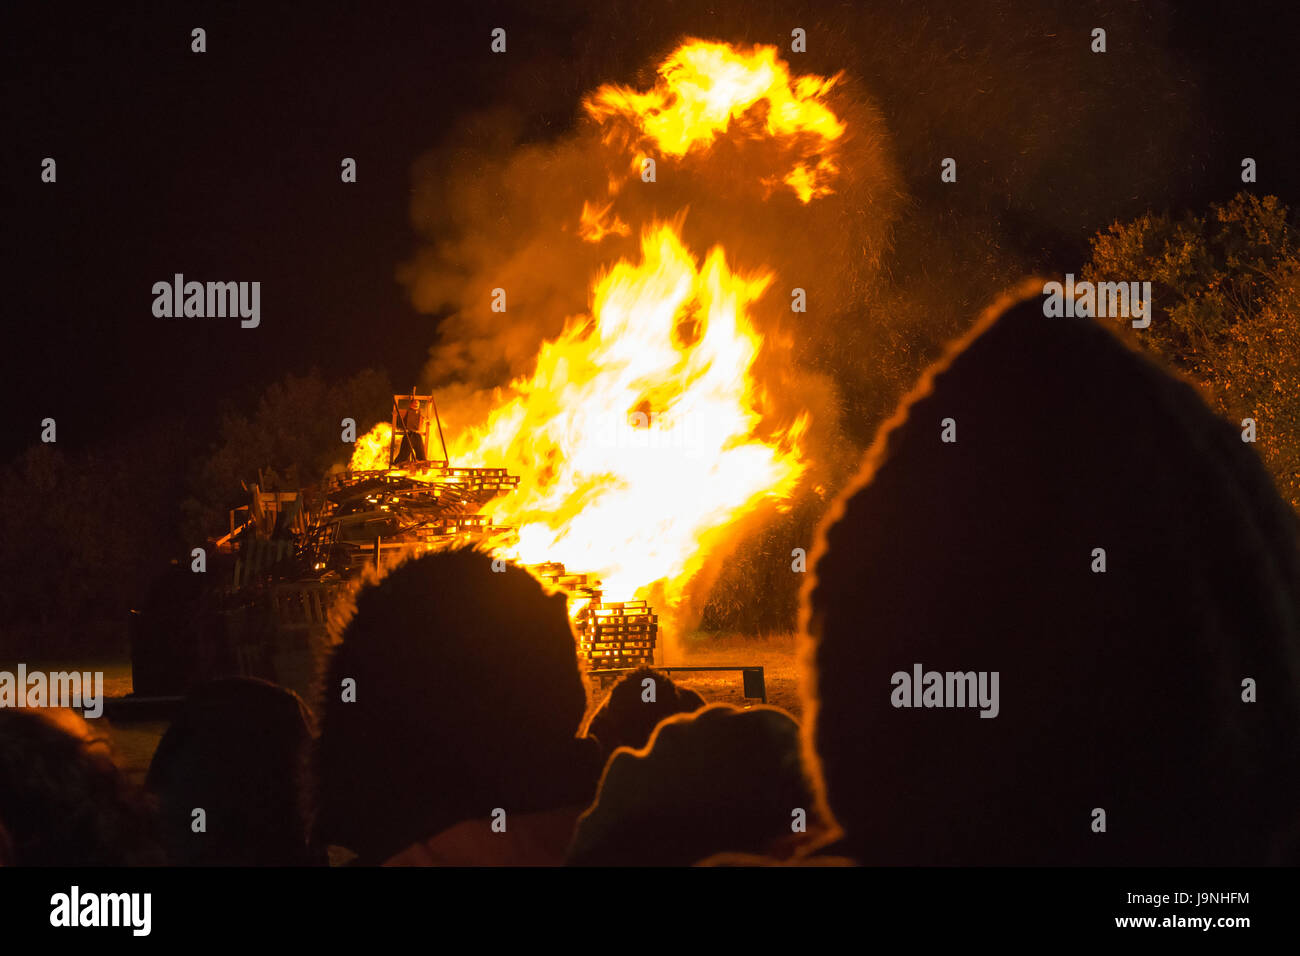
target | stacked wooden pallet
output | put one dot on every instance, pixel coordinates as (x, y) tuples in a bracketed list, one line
[(453, 524), (617, 634), (610, 634), (574, 584), (481, 481)]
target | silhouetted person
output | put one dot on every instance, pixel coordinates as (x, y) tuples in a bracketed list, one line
[(626, 718), (238, 749), (1121, 690), (468, 700), (719, 779), (62, 800)]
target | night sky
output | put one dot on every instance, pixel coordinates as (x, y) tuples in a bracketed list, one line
[(225, 166)]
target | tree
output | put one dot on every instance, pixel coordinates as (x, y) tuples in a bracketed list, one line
[(1226, 293), (81, 531), (295, 430)]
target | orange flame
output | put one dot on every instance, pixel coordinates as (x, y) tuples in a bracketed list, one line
[(595, 223), (635, 437), (371, 453), (706, 90), (643, 434)]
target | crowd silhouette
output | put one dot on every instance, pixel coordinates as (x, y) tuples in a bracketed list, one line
[(1047, 505)]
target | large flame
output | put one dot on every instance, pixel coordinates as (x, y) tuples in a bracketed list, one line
[(707, 90), (637, 435), (644, 435)]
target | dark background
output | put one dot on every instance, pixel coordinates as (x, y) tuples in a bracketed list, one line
[(225, 165)]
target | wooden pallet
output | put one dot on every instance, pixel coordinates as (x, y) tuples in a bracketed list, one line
[(610, 634)]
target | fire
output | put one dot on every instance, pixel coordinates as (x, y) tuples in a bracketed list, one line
[(596, 224), (643, 434), (636, 437), (810, 182), (706, 90), (371, 453)]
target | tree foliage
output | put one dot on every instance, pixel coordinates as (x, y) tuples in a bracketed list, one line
[(295, 431), (1226, 291), (80, 531), (86, 530)]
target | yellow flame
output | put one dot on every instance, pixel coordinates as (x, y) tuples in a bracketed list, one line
[(636, 436), (643, 434), (810, 182), (371, 453), (707, 89), (595, 223)]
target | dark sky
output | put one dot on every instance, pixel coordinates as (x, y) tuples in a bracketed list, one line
[(221, 166), (225, 166)]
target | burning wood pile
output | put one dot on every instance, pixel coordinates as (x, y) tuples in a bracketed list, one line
[(375, 516), (645, 432), (386, 505), (381, 510), (610, 634)]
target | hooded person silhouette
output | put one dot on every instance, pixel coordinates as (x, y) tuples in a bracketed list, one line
[(712, 781), (238, 748), (469, 699), (63, 802), (1050, 507), (625, 719)]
